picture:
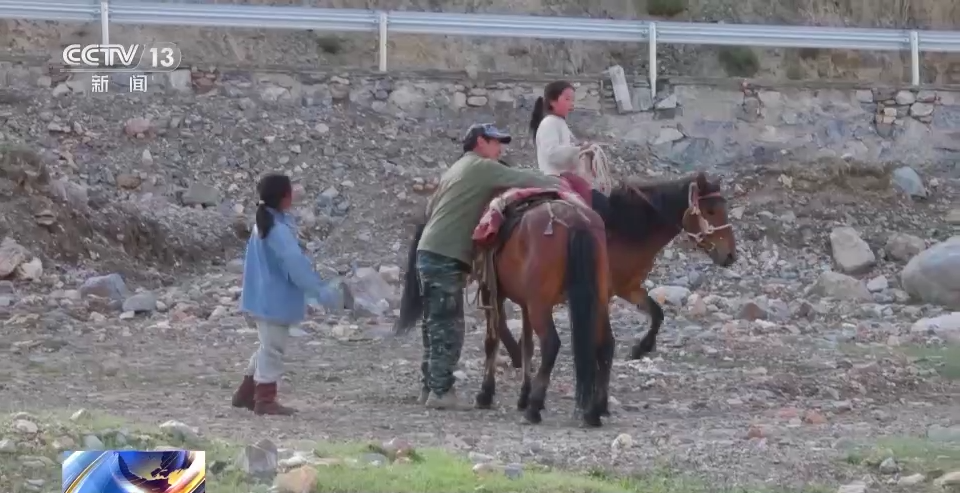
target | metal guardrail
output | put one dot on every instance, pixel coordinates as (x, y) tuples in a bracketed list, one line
[(455, 24)]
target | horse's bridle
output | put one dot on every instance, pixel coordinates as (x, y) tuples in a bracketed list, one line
[(706, 229)]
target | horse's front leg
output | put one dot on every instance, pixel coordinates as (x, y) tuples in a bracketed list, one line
[(491, 346), (648, 344)]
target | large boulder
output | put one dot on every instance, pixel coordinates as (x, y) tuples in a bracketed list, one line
[(933, 276)]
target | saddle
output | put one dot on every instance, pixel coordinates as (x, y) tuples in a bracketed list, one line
[(498, 224)]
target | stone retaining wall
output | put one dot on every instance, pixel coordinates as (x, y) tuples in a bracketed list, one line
[(686, 125)]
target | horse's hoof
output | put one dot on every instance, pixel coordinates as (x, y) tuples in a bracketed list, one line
[(638, 352), (484, 401), (533, 416), (591, 419)]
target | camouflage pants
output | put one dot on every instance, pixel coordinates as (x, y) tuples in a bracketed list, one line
[(442, 281)]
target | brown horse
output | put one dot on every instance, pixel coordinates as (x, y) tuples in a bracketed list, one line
[(641, 220), (555, 251)]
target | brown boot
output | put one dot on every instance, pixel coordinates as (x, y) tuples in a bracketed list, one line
[(244, 395), (266, 401)]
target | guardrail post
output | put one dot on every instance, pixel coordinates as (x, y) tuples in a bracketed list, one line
[(383, 41), (105, 21), (652, 65), (915, 58)]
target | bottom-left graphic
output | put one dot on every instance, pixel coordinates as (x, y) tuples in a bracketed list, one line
[(134, 471)]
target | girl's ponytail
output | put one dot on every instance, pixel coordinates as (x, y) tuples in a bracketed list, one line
[(537, 116), (264, 220)]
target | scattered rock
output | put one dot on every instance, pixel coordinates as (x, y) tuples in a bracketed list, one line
[(904, 247), (889, 466), (854, 487), (371, 293), (110, 286), (140, 303), (670, 295), (7, 446), (259, 460), (909, 181), (851, 253), (25, 427), (300, 480), (180, 431), (946, 327), (11, 256), (841, 286)]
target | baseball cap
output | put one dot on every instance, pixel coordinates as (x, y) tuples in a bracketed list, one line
[(487, 130)]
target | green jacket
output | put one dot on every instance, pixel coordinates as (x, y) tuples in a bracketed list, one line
[(464, 192)]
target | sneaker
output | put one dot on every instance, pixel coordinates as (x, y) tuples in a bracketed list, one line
[(448, 401)]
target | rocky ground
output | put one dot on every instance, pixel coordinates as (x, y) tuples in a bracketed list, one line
[(811, 362)]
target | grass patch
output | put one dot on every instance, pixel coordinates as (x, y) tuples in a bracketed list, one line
[(945, 360), (343, 468), (942, 360), (739, 61), (666, 8), (912, 453)]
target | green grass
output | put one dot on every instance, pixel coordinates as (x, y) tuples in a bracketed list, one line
[(914, 454), (427, 471), (944, 360)]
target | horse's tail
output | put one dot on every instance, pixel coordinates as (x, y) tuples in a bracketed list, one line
[(583, 299), (411, 300)]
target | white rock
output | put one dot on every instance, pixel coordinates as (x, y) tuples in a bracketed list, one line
[(623, 441), (851, 253), (877, 284), (25, 427), (946, 327), (854, 487), (180, 431), (671, 295), (840, 286)]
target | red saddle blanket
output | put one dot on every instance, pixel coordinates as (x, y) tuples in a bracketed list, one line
[(573, 189)]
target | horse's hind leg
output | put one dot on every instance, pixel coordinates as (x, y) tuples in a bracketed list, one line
[(510, 344), (491, 346), (605, 351), (648, 344), (526, 343), (549, 349)]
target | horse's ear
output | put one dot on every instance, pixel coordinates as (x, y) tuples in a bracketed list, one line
[(702, 182)]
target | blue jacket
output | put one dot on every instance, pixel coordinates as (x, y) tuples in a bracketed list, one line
[(278, 278)]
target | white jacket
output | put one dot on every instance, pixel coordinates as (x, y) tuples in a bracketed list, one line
[(556, 150)]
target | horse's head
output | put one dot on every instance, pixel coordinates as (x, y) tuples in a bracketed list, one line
[(705, 221)]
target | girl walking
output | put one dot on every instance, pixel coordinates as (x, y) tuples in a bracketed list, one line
[(278, 279)]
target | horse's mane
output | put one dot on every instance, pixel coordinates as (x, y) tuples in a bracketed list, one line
[(642, 207)]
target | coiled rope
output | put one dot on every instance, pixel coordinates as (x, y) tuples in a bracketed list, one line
[(599, 167)]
